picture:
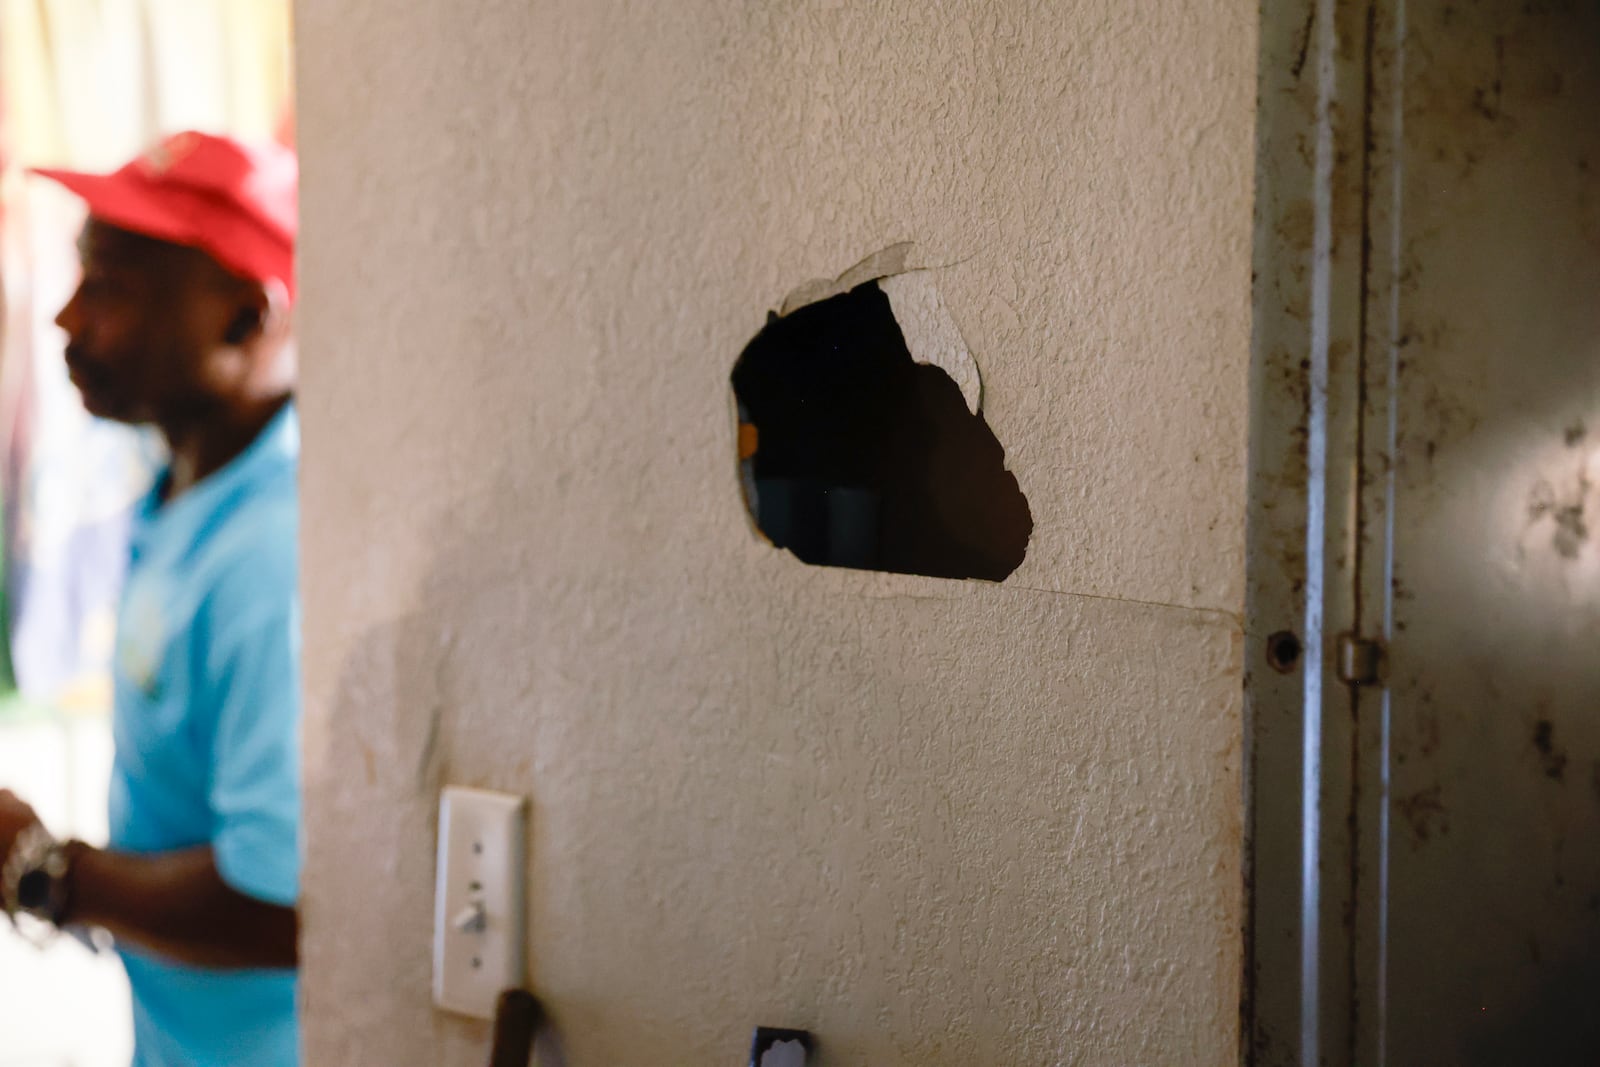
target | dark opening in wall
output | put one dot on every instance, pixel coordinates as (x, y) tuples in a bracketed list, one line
[(856, 455)]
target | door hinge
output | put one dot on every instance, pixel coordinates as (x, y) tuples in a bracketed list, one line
[(1361, 660)]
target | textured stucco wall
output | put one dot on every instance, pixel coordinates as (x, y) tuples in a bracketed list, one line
[(936, 822)]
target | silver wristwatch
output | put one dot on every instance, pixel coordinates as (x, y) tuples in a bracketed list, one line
[(34, 880)]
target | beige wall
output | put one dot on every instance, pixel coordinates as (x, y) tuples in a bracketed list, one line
[(935, 822)]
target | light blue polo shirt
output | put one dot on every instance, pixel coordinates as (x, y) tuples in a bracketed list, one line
[(207, 729)]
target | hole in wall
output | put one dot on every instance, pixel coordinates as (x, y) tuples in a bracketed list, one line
[(855, 454), (1284, 651)]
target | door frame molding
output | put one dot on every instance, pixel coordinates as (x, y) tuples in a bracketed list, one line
[(1317, 541)]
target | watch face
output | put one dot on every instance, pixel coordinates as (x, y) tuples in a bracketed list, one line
[(33, 890)]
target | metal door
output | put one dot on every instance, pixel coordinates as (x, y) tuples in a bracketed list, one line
[(1426, 525)]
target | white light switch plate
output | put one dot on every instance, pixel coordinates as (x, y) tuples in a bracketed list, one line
[(478, 913)]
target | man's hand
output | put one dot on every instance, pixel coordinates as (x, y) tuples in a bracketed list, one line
[(15, 817), (175, 903)]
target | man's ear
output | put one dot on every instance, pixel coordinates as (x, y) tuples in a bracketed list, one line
[(245, 325), (263, 306)]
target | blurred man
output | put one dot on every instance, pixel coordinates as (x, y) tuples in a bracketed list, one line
[(182, 322)]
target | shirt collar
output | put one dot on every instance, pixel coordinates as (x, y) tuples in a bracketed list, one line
[(276, 446)]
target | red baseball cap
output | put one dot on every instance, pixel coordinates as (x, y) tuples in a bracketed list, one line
[(238, 202)]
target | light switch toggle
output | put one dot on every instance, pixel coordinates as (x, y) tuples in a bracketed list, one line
[(472, 919)]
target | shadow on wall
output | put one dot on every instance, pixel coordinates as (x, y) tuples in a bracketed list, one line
[(854, 454), (404, 687)]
